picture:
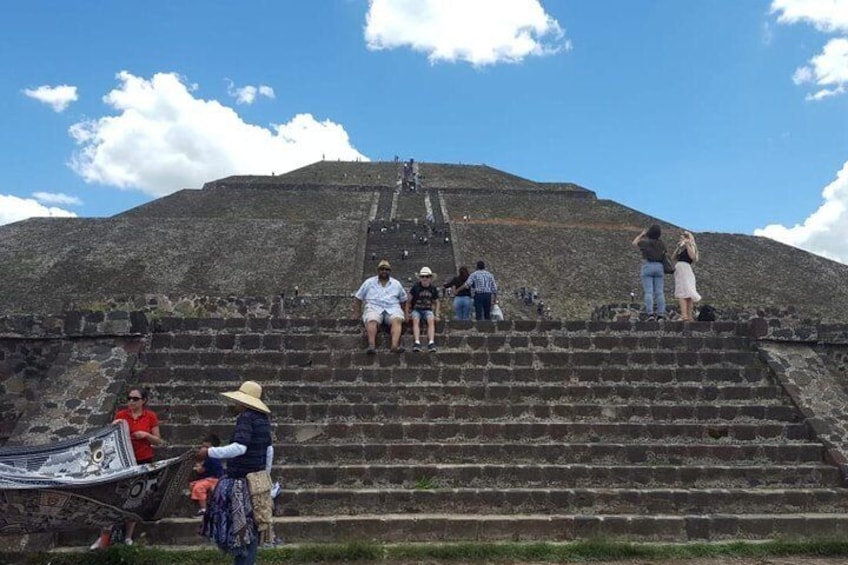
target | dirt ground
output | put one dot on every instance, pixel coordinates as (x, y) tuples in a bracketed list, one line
[(726, 561), (717, 561)]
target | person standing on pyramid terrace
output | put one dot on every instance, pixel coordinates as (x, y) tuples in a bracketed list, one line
[(239, 514), (653, 250), (482, 282), (382, 297), (424, 305)]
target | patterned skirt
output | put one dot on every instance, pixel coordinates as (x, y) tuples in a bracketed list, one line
[(229, 517)]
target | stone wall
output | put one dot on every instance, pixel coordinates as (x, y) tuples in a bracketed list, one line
[(63, 375), (76, 263), (810, 361)]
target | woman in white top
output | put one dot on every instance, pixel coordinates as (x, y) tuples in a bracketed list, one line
[(685, 291)]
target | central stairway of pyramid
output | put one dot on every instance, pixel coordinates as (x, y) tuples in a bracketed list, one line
[(522, 430)]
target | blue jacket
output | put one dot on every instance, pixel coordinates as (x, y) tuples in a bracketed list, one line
[(253, 429)]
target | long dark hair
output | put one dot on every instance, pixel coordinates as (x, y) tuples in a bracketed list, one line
[(654, 232), (463, 274)]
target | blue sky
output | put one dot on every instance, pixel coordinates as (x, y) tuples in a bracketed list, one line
[(717, 115)]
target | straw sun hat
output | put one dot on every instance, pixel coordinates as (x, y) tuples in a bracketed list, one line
[(249, 395)]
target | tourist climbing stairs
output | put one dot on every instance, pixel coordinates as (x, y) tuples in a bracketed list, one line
[(427, 243), (536, 430)]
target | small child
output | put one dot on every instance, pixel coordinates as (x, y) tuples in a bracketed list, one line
[(424, 305), (208, 472)]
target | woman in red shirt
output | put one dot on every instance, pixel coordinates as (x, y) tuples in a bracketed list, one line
[(144, 433), (144, 425)]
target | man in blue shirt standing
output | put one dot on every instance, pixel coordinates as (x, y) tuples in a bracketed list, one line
[(382, 297), (482, 282)]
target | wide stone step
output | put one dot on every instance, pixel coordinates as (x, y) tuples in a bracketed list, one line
[(535, 453), (535, 475), (490, 342), (766, 395), (386, 527), (593, 501), (540, 453), (439, 375), (502, 411), (329, 502), (526, 358), (540, 431), (311, 326)]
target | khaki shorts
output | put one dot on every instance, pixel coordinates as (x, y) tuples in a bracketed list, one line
[(381, 317)]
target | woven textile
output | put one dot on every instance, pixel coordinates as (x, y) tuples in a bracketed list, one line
[(229, 517), (90, 480)]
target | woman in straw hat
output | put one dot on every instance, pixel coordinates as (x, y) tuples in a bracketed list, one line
[(230, 519)]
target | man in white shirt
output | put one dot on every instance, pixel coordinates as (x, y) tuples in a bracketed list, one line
[(382, 296)]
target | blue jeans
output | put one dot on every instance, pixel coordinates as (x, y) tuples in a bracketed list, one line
[(462, 307), (653, 282), (483, 305), (249, 557)]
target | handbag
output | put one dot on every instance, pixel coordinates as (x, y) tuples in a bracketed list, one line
[(497, 313), (259, 485), (668, 266)]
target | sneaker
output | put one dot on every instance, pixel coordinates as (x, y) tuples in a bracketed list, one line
[(399, 349), (201, 512), (431, 347), (371, 350), (128, 541), (96, 545), (417, 347), (651, 318)]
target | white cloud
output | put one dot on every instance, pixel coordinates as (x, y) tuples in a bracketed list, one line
[(481, 32), (15, 209), (829, 69), (802, 75), (163, 139), (825, 232), (56, 198), (825, 15), (57, 97), (247, 94)]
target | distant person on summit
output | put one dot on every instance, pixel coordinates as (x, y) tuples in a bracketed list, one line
[(485, 289), (382, 297)]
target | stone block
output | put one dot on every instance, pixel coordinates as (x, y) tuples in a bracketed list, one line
[(225, 341), (524, 325)]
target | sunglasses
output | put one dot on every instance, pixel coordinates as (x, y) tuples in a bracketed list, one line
[(383, 269), (426, 276), (133, 398)]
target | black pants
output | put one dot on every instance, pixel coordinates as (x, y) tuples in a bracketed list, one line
[(483, 306)]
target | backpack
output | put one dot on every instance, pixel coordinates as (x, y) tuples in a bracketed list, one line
[(707, 313)]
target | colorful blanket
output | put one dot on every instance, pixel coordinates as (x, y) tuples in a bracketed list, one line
[(90, 480)]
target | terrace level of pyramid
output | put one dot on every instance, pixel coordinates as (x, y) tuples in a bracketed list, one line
[(308, 229)]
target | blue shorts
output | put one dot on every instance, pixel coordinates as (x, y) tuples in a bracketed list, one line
[(422, 314)]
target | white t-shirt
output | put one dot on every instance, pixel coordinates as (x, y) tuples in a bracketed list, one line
[(378, 298)]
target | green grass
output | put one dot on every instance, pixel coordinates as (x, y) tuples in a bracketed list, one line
[(425, 483), (364, 552)]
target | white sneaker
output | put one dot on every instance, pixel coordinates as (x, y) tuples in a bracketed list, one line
[(96, 545), (128, 541)]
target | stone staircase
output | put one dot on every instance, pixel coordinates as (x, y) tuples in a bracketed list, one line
[(398, 236), (524, 430)]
